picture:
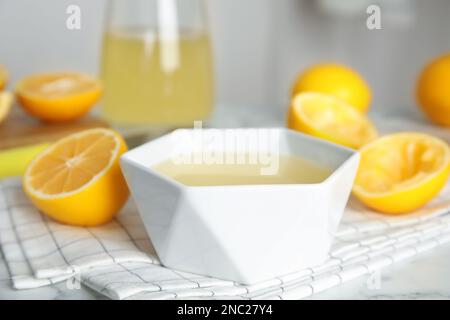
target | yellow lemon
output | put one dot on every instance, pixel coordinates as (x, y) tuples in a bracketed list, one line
[(3, 77), (6, 100), (401, 172), (433, 90), (77, 180), (338, 80), (14, 161), (330, 118), (58, 97)]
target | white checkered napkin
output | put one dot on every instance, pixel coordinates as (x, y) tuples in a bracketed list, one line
[(351, 257), (122, 280), (40, 251), (117, 259)]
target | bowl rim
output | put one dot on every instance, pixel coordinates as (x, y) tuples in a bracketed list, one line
[(129, 159)]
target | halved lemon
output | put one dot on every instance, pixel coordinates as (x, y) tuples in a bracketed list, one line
[(3, 77), (338, 80), (330, 118), (78, 180), (401, 172), (6, 100), (58, 97)]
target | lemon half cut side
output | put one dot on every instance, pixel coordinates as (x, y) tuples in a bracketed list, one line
[(401, 172), (330, 118), (78, 180)]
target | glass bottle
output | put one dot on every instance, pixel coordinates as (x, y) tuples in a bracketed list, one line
[(156, 63)]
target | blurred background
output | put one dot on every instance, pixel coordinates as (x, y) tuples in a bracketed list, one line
[(259, 45)]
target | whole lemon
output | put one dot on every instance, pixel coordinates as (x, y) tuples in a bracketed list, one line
[(338, 80), (433, 90)]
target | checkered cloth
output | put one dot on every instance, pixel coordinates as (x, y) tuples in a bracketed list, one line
[(118, 259)]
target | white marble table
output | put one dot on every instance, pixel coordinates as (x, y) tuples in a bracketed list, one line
[(426, 276)]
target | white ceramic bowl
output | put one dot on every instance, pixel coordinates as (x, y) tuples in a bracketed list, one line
[(244, 233)]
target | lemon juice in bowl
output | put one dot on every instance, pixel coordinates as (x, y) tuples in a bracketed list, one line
[(290, 170), (156, 64)]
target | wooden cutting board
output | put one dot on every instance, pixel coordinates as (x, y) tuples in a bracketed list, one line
[(20, 129)]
